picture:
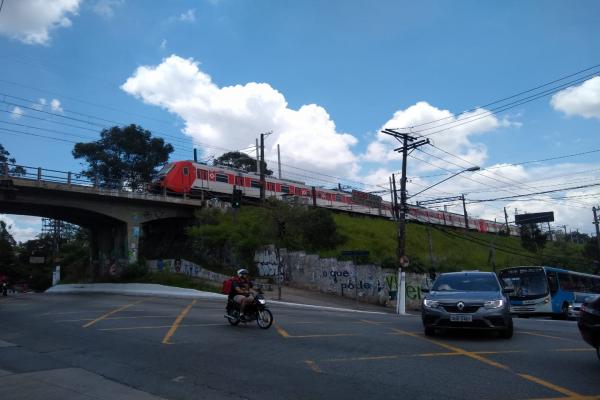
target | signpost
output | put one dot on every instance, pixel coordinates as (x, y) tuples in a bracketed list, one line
[(355, 254), (401, 297)]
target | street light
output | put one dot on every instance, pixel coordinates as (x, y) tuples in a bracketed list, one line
[(472, 169)]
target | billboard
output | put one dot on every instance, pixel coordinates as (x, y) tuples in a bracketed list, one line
[(366, 199), (534, 218)]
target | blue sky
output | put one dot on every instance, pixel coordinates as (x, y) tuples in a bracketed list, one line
[(325, 77)]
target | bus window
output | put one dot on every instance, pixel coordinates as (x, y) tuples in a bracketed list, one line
[(565, 281), (552, 281)]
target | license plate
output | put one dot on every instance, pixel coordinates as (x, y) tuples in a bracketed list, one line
[(461, 318)]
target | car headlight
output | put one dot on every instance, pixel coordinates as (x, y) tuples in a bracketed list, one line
[(430, 303), (494, 304), (262, 301)]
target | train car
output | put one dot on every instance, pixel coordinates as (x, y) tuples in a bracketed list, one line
[(189, 178)]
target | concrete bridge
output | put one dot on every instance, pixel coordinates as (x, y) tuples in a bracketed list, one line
[(114, 217)]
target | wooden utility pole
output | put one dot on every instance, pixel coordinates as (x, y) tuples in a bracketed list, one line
[(465, 213), (506, 221), (262, 168)]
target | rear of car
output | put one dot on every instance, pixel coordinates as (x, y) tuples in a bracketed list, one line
[(589, 322), (471, 300)]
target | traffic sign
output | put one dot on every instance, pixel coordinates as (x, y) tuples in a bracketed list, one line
[(404, 261)]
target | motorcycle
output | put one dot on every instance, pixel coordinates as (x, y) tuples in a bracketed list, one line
[(257, 310)]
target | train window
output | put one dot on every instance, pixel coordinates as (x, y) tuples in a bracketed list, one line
[(338, 197), (285, 189), (255, 184), (222, 178), (201, 174), (186, 171)]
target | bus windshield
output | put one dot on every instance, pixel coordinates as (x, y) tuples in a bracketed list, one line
[(527, 282)]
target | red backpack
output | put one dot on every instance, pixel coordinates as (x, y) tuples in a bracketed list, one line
[(226, 289)]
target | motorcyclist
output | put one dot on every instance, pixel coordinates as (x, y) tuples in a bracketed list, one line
[(241, 291)]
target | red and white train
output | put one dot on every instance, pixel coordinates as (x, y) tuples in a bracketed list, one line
[(193, 179)]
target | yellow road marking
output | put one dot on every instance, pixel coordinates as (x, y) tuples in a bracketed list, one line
[(550, 385), (456, 350), (132, 328), (548, 336), (282, 331), (312, 365), (180, 317), (482, 359), (112, 318), (108, 314)]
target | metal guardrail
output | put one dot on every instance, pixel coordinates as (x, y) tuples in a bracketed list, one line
[(78, 180)]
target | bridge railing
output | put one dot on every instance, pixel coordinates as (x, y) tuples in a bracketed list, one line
[(116, 187)]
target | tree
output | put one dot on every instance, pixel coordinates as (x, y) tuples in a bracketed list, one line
[(7, 250), (532, 238), (6, 158), (125, 156), (239, 160)]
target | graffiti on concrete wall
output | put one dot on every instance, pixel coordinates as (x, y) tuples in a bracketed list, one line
[(266, 261), (185, 267)]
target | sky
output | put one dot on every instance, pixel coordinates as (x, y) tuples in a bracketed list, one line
[(325, 78)]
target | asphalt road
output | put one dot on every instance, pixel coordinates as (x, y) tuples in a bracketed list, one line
[(184, 349)]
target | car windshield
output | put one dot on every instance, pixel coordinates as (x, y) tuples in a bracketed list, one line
[(466, 282)]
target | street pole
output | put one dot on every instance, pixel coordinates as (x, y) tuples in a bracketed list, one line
[(404, 139), (278, 161), (262, 168), (596, 222), (465, 212), (506, 221), (395, 198)]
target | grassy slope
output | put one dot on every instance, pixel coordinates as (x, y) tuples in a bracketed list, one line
[(451, 251)]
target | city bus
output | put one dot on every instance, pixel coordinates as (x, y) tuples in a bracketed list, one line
[(540, 290)]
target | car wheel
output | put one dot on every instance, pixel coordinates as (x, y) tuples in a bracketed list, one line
[(429, 331), (507, 333)]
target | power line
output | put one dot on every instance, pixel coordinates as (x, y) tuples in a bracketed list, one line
[(506, 98), (536, 193)]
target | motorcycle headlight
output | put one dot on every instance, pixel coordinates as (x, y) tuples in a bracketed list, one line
[(494, 304), (430, 303), (262, 301)]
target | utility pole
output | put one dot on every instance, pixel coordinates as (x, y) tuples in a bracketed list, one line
[(392, 198), (278, 161), (395, 198), (262, 168), (465, 213), (597, 222), (506, 221), (408, 143)]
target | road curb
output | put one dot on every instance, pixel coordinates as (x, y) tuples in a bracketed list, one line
[(155, 290)]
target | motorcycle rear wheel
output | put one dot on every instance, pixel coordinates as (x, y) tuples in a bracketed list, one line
[(264, 318)]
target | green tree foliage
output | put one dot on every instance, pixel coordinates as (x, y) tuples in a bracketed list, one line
[(124, 157), (7, 251), (532, 238), (239, 160), (220, 240), (6, 158)]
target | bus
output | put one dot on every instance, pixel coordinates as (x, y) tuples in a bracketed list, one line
[(549, 291)]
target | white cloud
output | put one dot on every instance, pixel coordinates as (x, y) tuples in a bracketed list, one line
[(233, 116), (31, 21), (106, 8), (457, 140), (22, 227), (55, 105), (17, 112), (582, 100), (163, 44), (188, 16)]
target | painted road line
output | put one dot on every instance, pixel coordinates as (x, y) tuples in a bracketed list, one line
[(177, 322), (286, 335), (114, 318), (108, 314), (576, 349), (548, 336), (133, 328), (282, 331), (482, 359), (312, 365), (551, 386)]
